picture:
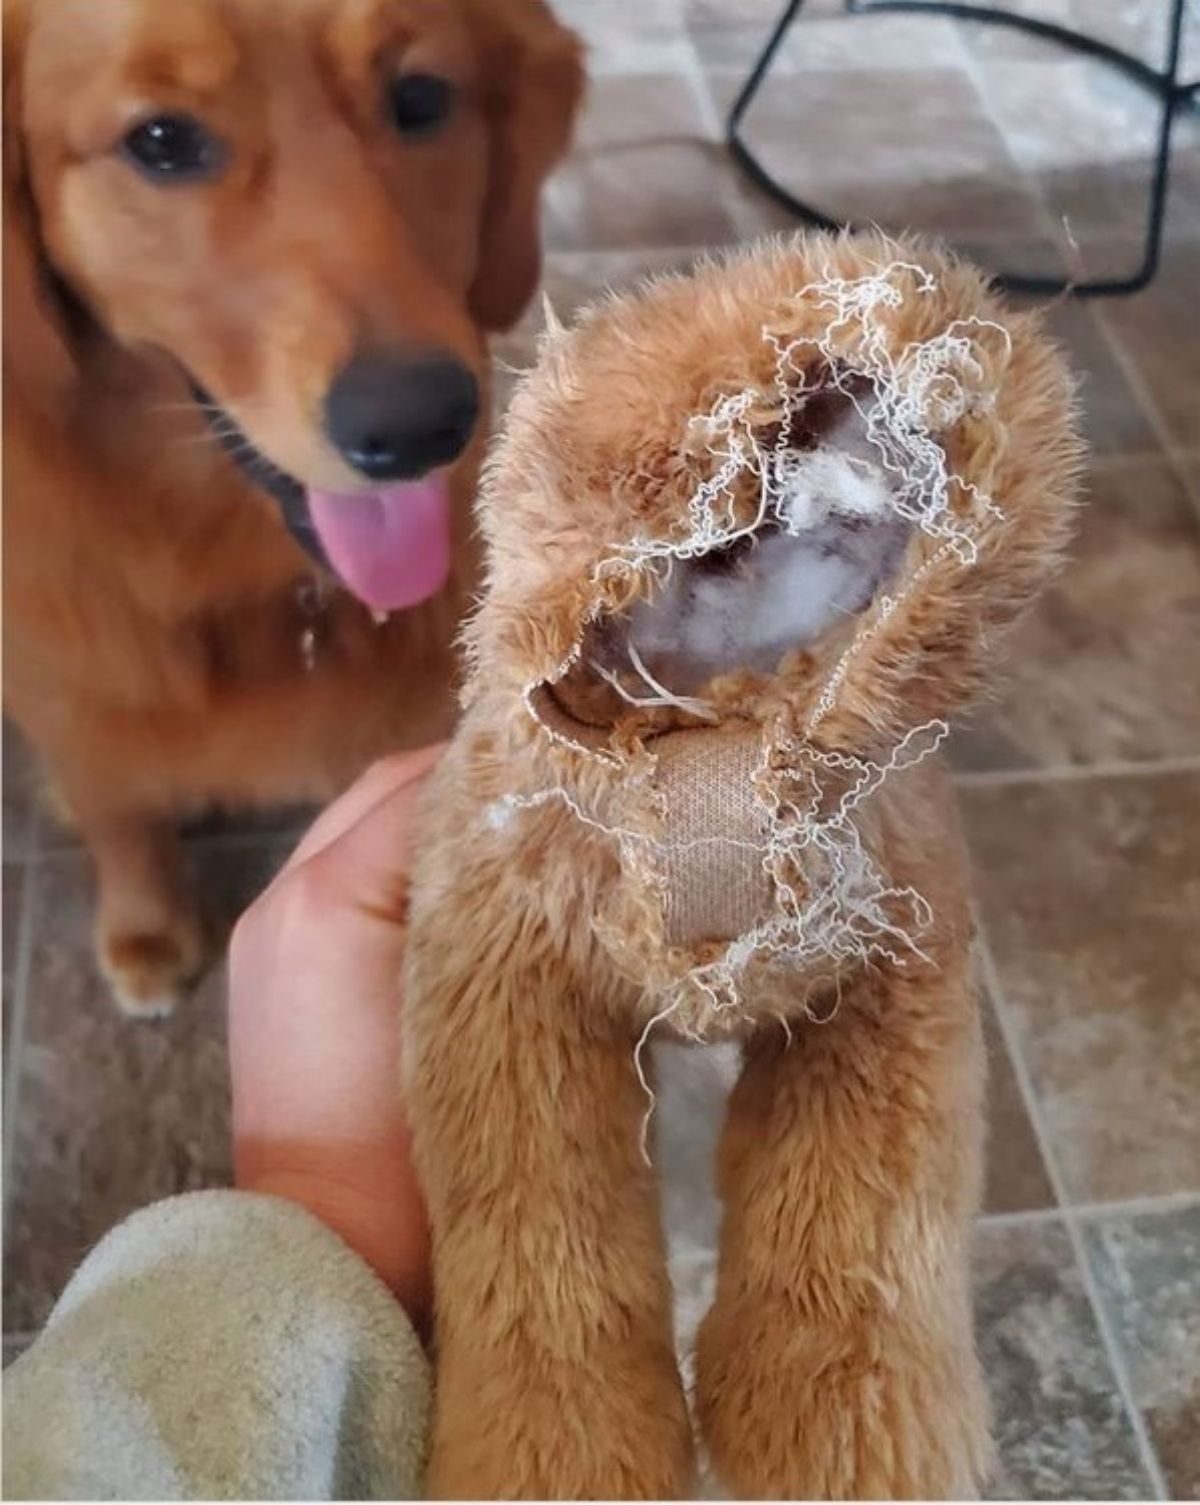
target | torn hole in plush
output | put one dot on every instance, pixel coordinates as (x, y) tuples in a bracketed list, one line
[(830, 538)]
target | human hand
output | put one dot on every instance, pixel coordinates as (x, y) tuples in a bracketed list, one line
[(314, 1029)]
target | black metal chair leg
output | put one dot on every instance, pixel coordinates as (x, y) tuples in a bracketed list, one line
[(1164, 84)]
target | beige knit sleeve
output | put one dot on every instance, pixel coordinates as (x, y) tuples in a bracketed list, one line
[(219, 1345)]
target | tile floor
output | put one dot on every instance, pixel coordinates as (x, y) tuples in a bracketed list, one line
[(1081, 784)]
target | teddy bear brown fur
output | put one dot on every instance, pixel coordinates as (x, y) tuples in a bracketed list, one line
[(618, 844)]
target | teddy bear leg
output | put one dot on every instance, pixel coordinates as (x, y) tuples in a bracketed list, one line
[(556, 1371), (837, 1361)]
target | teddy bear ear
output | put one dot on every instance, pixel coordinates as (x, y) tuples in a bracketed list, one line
[(535, 71), (39, 365)]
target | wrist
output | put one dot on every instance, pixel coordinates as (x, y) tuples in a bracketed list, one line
[(350, 1194)]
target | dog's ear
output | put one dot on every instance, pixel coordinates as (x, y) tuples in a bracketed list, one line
[(533, 85), (38, 363)]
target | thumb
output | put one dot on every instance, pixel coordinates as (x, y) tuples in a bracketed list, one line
[(380, 781), (367, 866)]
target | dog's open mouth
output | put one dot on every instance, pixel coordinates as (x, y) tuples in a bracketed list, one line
[(390, 546)]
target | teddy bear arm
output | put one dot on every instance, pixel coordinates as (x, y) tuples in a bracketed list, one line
[(556, 1370), (837, 1362)]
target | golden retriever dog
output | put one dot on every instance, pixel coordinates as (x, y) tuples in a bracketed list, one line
[(752, 537), (253, 250)]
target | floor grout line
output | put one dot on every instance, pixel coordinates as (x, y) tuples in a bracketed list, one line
[(734, 202), (19, 992), (1132, 1207), (1071, 1221), (1074, 773), (1139, 1207), (1191, 488), (1126, 459), (1032, 1217), (975, 73), (1175, 458), (1129, 369)]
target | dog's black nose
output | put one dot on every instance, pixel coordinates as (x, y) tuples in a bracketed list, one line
[(396, 415)]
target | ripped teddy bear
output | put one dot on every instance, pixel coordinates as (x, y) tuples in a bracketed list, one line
[(753, 538)]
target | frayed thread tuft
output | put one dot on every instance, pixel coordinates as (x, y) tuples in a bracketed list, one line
[(832, 903)]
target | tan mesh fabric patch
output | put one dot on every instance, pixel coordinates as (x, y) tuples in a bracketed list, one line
[(714, 835)]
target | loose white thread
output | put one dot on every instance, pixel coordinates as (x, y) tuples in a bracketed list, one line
[(831, 899)]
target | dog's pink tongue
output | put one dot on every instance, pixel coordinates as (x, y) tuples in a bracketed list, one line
[(392, 546)]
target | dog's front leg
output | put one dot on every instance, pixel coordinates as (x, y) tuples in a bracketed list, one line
[(837, 1362), (556, 1376), (150, 937)]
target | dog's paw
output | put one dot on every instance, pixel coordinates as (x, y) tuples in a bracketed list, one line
[(148, 972)]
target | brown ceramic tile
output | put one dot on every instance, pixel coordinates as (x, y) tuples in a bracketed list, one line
[(1006, 44), (619, 37), (572, 279), (1087, 134), (20, 783), (1105, 667), (13, 900), (1149, 1274), (1105, 205), (1183, 203), (729, 38), (1016, 1179), (736, 12), (1089, 891), (15, 1345), (1157, 328), (1019, 255), (112, 1114), (1113, 419), (1140, 29), (829, 37), (1189, 471), (1061, 1430), (13, 893), (644, 171), (907, 148)]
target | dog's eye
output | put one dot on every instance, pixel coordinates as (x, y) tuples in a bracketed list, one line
[(418, 102), (175, 147)]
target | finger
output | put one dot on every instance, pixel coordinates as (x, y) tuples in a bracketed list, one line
[(368, 864), (380, 780)]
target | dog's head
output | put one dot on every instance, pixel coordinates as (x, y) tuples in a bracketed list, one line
[(313, 207)]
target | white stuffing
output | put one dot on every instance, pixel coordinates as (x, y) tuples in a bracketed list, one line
[(817, 482), (843, 474), (836, 536), (785, 591), (831, 527)]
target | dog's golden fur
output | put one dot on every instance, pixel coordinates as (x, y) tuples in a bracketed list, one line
[(837, 1361), (153, 627)]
